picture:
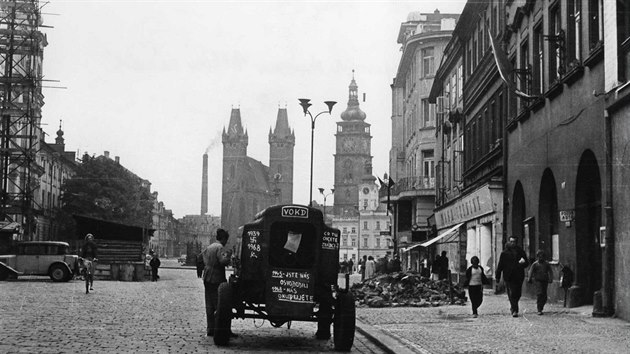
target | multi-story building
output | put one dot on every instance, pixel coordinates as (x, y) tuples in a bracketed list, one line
[(249, 186), (616, 233), (555, 141), (57, 166), (412, 156), (201, 229), (165, 240)]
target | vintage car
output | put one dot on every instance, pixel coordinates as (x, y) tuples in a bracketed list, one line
[(287, 270), (50, 258)]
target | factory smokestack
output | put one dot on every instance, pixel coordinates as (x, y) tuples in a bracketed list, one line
[(204, 185)]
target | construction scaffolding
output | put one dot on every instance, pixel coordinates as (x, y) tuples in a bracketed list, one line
[(21, 99)]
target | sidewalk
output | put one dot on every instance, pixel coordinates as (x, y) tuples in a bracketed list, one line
[(451, 329)]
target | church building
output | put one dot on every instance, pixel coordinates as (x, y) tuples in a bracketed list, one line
[(249, 186)]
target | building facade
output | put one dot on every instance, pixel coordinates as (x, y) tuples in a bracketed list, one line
[(165, 240), (412, 162), (555, 141), (57, 165), (249, 186)]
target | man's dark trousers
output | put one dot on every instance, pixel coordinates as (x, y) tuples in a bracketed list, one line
[(514, 289), (212, 298)]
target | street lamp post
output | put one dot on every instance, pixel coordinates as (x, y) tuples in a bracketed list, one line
[(321, 191), (304, 102)]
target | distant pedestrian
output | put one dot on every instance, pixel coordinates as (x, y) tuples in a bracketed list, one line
[(90, 252), (394, 264), (512, 264), (444, 266), (435, 267), (541, 274), (215, 258), (155, 264), (350, 266), (362, 265), (475, 280), (370, 268)]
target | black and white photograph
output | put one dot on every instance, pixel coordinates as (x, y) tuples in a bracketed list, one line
[(314, 176)]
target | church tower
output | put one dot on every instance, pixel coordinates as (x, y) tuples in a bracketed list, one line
[(281, 144), (235, 142), (353, 147)]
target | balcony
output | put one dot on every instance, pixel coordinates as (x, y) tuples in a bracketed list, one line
[(410, 187)]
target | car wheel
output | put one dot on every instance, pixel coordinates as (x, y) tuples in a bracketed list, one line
[(59, 273), (344, 323), (223, 316)]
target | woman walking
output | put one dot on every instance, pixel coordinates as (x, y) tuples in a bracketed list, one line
[(475, 279)]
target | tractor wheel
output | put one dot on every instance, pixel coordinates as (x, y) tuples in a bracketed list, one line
[(223, 315), (344, 322)]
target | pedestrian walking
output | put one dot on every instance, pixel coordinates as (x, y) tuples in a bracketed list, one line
[(435, 267), (362, 264), (475, 280), (444, 266), (370, 267), (512, 264), (155, 264), (541, 274), (350, 266), (215, 258), (90, 252)]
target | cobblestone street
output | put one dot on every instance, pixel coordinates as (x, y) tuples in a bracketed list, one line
[(168, 316), (39, 316)]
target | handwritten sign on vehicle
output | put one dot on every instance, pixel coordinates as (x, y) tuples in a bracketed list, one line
[(330, 240), (290, 292), (252, 241)]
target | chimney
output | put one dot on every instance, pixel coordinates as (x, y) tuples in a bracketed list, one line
[(204, 185), (106, 153), (117, 159)]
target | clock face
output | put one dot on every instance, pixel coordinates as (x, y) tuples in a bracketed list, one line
[(366, 190)]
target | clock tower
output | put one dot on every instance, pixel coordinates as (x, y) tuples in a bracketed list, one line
[(353, 147)]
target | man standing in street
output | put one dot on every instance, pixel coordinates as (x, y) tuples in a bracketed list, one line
[(512, 264), (444, 266), (215, 258)]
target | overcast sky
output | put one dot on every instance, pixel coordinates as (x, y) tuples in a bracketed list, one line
[(154, 82)]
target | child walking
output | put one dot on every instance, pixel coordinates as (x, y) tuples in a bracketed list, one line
[(475, 279), (540, 273)]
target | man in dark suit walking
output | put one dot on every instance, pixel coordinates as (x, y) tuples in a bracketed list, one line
[(512, 264)]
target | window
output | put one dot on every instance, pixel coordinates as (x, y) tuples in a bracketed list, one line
[(555, 48), (365, 242), (524, 70), (344, 241), (595, 35), (365, 225), (623, 38), (378, 243), (454, 91), (460, 81), (378, 225), (428, 164), (428, 113), (538, 78), (428, 62), (345, 230), (354, 230), (574, 30), (354, 242)]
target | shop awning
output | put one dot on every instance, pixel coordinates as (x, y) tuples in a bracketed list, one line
[(442, 235), (435, 239)]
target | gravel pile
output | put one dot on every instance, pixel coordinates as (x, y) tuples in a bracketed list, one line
[(406, 289)]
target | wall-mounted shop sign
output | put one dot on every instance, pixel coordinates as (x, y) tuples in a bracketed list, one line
[(567, 215), (475, 204)]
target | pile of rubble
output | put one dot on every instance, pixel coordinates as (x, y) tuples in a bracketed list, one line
[(406, 289)]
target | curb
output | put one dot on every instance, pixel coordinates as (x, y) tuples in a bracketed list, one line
[(388, 342)]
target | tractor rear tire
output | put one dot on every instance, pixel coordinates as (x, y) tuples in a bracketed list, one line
[(223, 315), (344, 322)]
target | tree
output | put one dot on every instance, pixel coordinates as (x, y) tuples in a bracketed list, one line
[(103, 189)]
